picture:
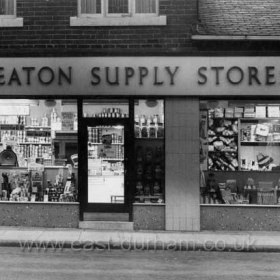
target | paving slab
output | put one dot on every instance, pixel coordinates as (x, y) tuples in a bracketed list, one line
[(205, 240)]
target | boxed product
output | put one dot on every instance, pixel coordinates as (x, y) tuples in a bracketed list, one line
[(229, 112), (238, 110), (260, 111), (238, 115), (273, 111), (249, 109), (262, 130), (219, 112), (249, 112)]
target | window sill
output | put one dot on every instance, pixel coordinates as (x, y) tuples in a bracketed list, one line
[(11, 22), (118, 21)]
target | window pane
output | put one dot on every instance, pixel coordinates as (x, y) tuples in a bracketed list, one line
[(106, 164), (240, 151), (6, 7), (39, 150), (118, 6), (101, 108), (145, 6), (149, 179), (90, 6)]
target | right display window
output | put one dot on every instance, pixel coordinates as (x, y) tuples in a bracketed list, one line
[(149, 151), (240, 152)]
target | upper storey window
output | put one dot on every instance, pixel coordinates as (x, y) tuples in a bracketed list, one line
[(8, 14), (7, 8), (118, 12)]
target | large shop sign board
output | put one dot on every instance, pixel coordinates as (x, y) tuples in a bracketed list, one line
[(189, 76)]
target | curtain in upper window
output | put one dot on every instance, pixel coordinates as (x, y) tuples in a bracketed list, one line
[(118, 6), (7, 7), (145, 6), (91, 6)]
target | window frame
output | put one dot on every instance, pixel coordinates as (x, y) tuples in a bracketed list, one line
[(105, 13), (11, 20), (126, 19), (14, 12)]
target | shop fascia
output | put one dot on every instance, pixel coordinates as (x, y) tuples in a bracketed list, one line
[(235, 75), (141, 75), (111, 75)]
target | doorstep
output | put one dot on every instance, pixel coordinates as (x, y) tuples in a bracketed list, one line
[(106, 225)]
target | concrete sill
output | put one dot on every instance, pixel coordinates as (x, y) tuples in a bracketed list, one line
[(118, 21), (11, 22), (241, 205), (234, 38)]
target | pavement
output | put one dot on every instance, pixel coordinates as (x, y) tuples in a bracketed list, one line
[(87, 239)]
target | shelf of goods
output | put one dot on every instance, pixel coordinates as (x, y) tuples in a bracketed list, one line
[(105, 160), (223, 144), (243, 143), (29, 141), (149, 170), (259, 143)]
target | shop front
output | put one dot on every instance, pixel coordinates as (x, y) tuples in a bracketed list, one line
[(167, 143)]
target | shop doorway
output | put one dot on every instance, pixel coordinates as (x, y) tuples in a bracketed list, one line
[(105, 171)]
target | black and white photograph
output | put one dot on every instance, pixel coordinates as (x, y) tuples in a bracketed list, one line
[(139, 139)]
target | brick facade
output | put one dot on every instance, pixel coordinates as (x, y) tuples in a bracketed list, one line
[(239, 17), (47, 31)]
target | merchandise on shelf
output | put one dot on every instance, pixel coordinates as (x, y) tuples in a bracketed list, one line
[(222, 143), (149, 126), (149, 173), (111, 113), (20, 185), (15, 186)]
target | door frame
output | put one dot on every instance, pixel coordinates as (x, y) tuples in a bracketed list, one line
[(83, 162)]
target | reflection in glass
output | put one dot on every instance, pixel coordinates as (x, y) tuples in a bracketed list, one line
[(106, 164)]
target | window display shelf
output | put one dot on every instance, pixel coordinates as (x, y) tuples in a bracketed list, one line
[(106, 176), (112, 159), (217, 151), (38, 127), (149, 196), (149, 203), (93, 143), (149, 139), (260, 143), (34, 143), (11, 127), (258, 119), (224, 118)]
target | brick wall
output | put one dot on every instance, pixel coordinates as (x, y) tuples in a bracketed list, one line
[(47, 30), (239, 17)]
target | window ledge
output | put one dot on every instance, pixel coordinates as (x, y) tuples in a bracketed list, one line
[(118, 21), (11, 22), (235, 38)]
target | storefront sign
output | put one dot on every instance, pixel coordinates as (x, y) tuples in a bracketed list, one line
[(190, 76)]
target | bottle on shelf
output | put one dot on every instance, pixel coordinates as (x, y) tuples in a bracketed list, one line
[(75, 125), (45, 121)]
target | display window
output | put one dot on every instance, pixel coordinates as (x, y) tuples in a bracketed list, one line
[(240, 152), (100, 108), (38, 150), (149, 151), (125, 148)]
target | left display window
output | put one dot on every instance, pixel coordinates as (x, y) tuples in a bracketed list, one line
[(35, 164)]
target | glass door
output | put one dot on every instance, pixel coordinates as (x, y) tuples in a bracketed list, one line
[(106, 165)]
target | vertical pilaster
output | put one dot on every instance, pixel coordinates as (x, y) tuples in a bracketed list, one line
[(182, 164)]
